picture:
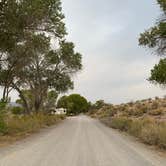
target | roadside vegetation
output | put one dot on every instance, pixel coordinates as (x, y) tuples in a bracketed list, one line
[(36, 62), (74, 103), (20, 125), (16, 124), (144, 119)]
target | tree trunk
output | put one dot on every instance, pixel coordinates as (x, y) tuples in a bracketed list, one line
[(4, 94), (25, 104)]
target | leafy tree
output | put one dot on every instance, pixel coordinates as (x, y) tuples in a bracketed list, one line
[(18, 21), (29, 60), (99, 104), (62, 102), (47, 69), (3, 127), (155, 37), (158, 73), (74, 104)]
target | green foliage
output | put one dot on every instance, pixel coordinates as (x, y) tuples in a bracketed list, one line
[(28, 62), (74, 104), (3, 127), (51, 100), (2, 105), (158, 73), (155, 37), (99, 104), (121, 123), (17, 110), (147, 130), (63, 102)]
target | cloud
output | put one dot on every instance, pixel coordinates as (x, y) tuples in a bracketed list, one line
[(106, 33)]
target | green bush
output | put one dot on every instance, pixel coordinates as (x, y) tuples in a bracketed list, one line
[(17, 110), (3, 126), (2, 105)]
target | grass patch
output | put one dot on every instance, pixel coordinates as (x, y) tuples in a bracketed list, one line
[(16, 127), (147, 130)]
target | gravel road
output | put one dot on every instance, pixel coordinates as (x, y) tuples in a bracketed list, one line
[(80, 141)]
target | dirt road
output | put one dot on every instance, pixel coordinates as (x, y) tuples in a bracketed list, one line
[(79, 141)]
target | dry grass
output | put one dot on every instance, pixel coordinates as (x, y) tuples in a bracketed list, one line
[(20, 126), (147, 130), (145, 119)]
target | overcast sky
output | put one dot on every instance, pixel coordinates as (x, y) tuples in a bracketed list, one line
[(106, 33)]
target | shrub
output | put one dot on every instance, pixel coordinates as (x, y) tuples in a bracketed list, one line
[(155, 105), (121, 123), (162, 135), (149, 134), (112, 112), (138, 112), (30, 123), (156, 112), (135, 128), (17, 110), (3, 127), (2, 105)]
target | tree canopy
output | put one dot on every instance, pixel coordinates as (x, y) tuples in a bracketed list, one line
[(74, 104), (155, 37), (158, 73), (34, 54)]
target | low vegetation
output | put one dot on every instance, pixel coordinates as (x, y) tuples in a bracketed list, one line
[(144, 119), (17, 126)]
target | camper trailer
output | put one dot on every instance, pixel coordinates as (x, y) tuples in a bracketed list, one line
[(58, 111)]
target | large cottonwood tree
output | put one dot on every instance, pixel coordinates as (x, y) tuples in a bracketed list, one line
[(34, 54)]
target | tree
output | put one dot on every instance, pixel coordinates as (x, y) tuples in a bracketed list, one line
[(155, 37), (62, 102), (47, 69), (51, 100), (74, 104), (28, 60), (18, 21), (99, 104), (158, 73)]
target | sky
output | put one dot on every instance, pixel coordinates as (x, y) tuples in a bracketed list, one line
[(115, 67), (106, 33)]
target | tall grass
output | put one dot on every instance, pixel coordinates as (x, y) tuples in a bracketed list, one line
[(29, 123), (148, 130)]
